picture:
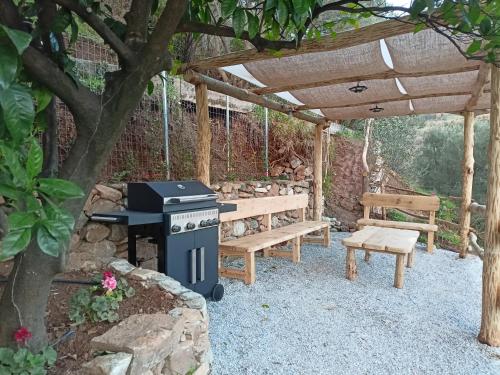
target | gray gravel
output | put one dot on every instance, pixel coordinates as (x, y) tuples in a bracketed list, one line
[(309, 319)]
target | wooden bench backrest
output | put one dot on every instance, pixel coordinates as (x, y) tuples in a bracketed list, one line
[(410, 202), (251, 207)]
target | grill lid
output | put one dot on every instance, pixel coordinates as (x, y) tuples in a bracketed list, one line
[(153, 196)]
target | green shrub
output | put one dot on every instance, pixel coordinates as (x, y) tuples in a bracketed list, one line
[(22, 361)]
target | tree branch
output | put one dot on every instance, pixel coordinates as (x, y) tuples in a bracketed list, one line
[(137, 23), (157, 47), (96, 23)]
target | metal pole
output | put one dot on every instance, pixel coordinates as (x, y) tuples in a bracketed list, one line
[(228, 135), (266, 140), (165, 122)]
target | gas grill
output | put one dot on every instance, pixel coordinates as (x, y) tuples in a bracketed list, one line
[(181, 218)]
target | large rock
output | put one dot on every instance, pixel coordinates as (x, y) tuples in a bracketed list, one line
[(108, 193), (227, 187), (96, 232), (90, 256), (295, 162), (118, 232), (149, 337), (110, 364), (277, 170), (102, 205), (275, 189), (182, 361), (239, 228)]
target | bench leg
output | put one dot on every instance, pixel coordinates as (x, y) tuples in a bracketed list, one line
[(367, 256), (430, 242), (296, 250), (351, 270), (326, 237), (411, 259), (266, 251), (400, 271), (249, 268)]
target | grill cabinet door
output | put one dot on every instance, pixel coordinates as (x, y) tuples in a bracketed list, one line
[(207, 245), (178, 258)]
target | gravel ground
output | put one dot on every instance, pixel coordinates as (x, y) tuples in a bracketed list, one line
[(308, 319)]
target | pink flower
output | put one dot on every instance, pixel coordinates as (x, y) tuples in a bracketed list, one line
[(109, 283), (107, 274), (22, 335)]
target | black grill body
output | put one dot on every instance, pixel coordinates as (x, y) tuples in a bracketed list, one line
[(181, 217)]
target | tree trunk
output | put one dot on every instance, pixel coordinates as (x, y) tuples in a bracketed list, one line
[(490, 318), (318, 173), (366, 168), (467, 180), (204, 138)]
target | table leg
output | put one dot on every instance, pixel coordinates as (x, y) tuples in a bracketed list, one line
[(400, 269), (367, 256), (351, 271), (411, 258)]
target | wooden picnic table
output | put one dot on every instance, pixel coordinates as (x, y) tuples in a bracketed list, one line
[(398, 242)]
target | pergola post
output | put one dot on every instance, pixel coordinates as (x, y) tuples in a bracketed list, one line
[(318, 173), (467, 179), (490, 318), (204, 134)]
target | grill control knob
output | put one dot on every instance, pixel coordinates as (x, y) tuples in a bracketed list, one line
[(175, 228), (190, 226), (204, 223), (214, 221)]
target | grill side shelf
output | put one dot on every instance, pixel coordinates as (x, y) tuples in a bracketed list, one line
[(128, 217)]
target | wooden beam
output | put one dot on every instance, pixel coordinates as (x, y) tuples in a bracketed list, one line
[(395, 99), (204, 137), (345, 39), (318, 173), (477, 89), (467, 179), (361, 78), (490, 317), (227, 89)]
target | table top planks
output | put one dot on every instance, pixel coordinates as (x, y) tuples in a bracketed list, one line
[(383, 239)]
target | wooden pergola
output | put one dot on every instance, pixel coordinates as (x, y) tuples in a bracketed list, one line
[(397, 73)]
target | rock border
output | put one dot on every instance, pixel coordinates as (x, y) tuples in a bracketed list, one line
[(181, 335)]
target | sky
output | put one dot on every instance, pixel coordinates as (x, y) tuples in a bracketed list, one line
[(404, 3)]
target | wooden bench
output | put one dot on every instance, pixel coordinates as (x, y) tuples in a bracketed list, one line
[(247, 246), (398, 242), (409, 202)]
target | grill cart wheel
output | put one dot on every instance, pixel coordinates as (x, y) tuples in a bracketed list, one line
[(217, 292)]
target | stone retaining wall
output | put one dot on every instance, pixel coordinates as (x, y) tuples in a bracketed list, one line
[(170, 343)]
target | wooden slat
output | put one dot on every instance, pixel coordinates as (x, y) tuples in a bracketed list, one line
[(411, 202), (358, 238), (262, 206), (345, 39), (258, 241), (232, 273), (399, 225), (383, 239)]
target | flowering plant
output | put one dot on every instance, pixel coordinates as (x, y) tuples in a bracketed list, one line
[(22, 361), (101, 301)]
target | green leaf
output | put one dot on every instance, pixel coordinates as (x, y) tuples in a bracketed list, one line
[(21, 220), (8, 65), (253, 25), (61, 21), (74, 31), (14, 242), (50, 355), (42, 97), (228, 7), (474, 47), (9, 191), (282, 12), (20, 39), (57, 213), (19, 176), (151, 87), (485, 26), (474, 11), (417, 7), (239, 21), (57, 229), (419, 27), (18, 111), (48, 244), (35, 160), (59, 188), (270, 4)]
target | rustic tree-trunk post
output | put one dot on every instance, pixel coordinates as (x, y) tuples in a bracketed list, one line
[(467, 179), (490, 318), (204, 135), (318, 172), (366, 168)]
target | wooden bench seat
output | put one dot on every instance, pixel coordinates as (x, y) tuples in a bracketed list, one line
[(424, 227), (409, 202), (247, 246)]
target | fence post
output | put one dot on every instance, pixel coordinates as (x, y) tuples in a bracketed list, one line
[(228, 135), (266, 141), (204, 135), (165, 122)]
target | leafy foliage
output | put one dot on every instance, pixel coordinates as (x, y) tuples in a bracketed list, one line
[(36, 200), (97, 305), (22, 361)]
